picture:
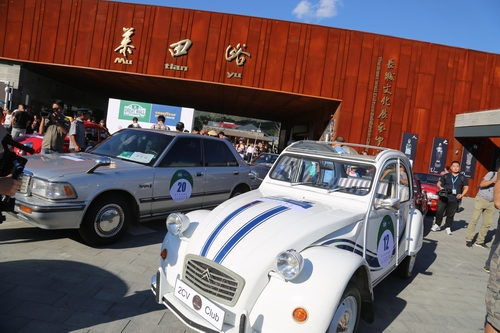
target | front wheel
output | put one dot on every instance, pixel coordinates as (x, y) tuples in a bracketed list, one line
[(106, 221), (346, 317), (405, 269), (240, 189)]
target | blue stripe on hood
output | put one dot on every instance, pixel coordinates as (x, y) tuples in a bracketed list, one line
[(221, 226), (247, 228)]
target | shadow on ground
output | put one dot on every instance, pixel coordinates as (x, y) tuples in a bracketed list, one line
[(64, 296), (387, 305)]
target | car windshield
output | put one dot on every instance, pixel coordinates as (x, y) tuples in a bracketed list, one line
[(331, 175), (266, 159), (140, 146), (428, 178)]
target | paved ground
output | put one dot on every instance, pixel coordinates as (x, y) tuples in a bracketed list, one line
[(51, 282)]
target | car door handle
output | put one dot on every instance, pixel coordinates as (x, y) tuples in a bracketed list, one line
[(236, 172), (198, 174)]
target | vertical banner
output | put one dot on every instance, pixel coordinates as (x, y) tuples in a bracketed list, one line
[(468, 164), (409, 145), (438, 157)]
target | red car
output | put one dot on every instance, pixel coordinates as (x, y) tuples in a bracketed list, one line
[(428, 182), (420, 197), (93, 132)]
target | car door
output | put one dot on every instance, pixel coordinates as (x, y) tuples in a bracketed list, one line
[(385, 234), (222, 171), (179, 183)]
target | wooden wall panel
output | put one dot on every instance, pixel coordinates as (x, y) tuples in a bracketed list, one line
[(433, 82)]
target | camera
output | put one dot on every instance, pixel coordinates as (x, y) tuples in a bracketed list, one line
[(10, 164), (46, 112)]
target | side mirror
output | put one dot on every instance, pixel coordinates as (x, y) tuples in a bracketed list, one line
[(391, 203), (101, 161)]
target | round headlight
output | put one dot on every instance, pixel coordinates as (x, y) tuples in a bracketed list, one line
[(289, 264), (177, 223)]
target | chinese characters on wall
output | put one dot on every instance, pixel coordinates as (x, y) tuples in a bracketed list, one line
[(125, 46), (385, 101), (389, 76), (178, 49)]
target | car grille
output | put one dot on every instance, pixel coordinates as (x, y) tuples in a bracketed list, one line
[(213, 280), (25, 182)]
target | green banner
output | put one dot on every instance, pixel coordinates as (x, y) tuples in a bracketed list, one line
[(129, 110)]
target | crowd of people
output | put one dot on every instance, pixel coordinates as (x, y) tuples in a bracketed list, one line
[(54, 125), (247, 150)]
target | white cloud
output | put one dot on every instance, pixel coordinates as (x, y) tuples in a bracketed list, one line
[(322, 9)]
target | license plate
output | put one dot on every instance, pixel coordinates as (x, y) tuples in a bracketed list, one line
[(200, 304)]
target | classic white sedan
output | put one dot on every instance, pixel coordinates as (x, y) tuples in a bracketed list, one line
[(301, 253)]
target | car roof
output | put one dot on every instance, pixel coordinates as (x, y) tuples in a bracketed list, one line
[(326, 149)]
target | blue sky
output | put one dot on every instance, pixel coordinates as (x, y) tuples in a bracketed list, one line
[(471, 24)]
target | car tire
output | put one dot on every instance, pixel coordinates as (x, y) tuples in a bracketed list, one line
[(106, 220), (405, 269), (240, 189), (346, 316)]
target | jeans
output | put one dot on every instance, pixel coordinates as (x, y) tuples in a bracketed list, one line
[(448, 207)]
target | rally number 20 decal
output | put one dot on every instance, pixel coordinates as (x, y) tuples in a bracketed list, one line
[(181, 185)]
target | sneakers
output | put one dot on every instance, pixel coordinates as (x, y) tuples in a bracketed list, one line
[(484, 246), (448, 231), (468, 244), (435, 227), (486, 269)]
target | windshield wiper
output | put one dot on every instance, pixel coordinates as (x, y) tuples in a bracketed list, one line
[(302, 183), (348, 188)]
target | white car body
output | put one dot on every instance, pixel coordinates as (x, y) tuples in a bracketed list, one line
[(348, 236)]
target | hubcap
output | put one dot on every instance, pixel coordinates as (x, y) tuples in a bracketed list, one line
[(345, 317), (109, 220)]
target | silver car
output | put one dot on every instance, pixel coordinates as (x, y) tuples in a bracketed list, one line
[(135, 175)]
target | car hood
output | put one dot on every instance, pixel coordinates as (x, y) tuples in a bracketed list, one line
[(429, 188), (248, 231), (60, 166)]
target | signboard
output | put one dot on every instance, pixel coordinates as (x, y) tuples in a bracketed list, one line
[(468, 164), (121, 112), (438, 155), (409, 145)]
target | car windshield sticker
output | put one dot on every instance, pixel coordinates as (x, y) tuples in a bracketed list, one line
[(181, 185), (245, 230), (289, 203), (221, 226), (137, 156), (385, 241)]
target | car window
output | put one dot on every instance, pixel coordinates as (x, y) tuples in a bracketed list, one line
[(217, 154), (331, 175), (392, 181), (143, 147), (185, 152)]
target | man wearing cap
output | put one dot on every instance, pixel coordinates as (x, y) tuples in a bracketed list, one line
[(77, 133), (179, 127)]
